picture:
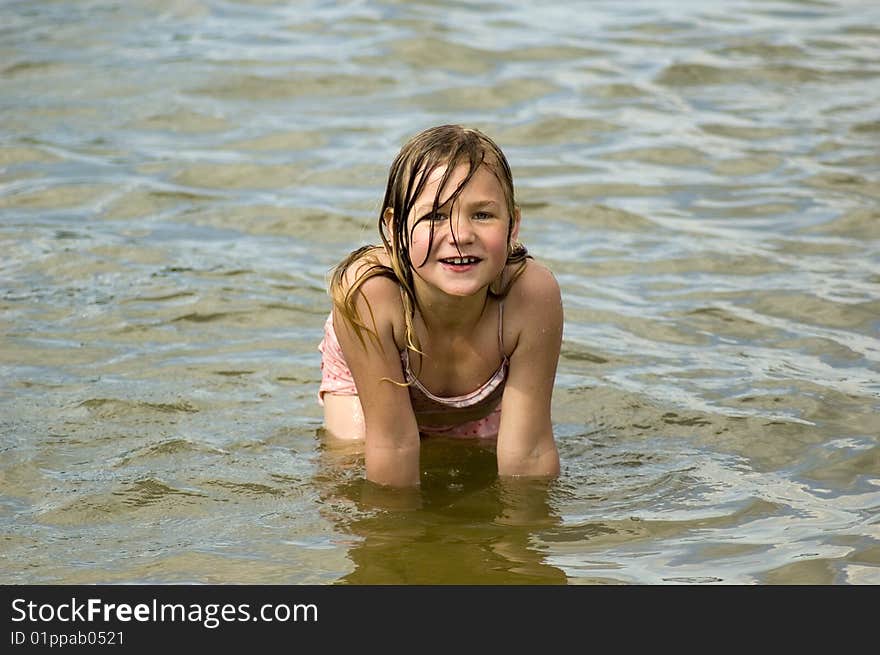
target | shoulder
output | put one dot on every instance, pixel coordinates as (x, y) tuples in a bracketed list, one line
[(356, 265), (533, 305), (536, 282), (364, 282), (534, 292), (365, 272)]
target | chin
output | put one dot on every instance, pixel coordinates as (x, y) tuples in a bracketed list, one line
[(463, 291)]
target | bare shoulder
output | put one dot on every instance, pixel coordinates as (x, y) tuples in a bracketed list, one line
[(535, 290), (533, 306), (359, 263), (377, 294), (536, 281)]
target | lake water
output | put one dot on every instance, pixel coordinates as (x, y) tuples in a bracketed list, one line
[(178, 177)]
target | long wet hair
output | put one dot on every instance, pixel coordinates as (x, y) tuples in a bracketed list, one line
[(449, 145)]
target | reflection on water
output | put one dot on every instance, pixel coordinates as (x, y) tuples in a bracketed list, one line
[(463, 526), (178, 177)]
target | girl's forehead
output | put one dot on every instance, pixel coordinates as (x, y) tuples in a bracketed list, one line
[(483, 178), (431, 183), (437, 174)]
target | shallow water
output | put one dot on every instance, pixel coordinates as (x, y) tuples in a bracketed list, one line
[(178, 177)]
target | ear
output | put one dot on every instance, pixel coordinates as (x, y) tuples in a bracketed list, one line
[(514, 230), (387, 218)]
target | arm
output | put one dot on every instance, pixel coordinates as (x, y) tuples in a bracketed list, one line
[(525, 436), (391, 435)]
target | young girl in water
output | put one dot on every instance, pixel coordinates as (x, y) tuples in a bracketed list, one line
[(449, 327)]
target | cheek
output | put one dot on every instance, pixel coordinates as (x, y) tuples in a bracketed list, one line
[(496, 241), (418, 246)]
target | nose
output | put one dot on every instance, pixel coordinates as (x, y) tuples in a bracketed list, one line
[(462, 229)]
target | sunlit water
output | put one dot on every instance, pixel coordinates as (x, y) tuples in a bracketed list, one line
[(177, 178)]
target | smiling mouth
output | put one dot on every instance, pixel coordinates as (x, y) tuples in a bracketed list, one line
[(460, 261)]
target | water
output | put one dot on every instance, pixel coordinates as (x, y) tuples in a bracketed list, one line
[(178, 177)]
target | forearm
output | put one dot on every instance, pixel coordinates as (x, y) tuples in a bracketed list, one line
[(392, 464), (538, 460)]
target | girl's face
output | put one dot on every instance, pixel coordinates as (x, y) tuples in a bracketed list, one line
[(477, 220)]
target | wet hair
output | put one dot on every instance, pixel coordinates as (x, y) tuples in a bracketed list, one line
[(444, 145)]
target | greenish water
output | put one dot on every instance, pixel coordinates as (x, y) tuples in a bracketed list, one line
[(178, 177)]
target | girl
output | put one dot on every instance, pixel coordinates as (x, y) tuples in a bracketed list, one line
[(449, 327)]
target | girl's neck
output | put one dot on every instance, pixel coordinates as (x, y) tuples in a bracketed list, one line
[(451, 314)]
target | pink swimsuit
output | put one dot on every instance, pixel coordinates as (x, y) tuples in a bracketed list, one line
[(478, 412)]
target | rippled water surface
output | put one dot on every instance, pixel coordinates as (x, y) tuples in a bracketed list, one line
[(178, 177)]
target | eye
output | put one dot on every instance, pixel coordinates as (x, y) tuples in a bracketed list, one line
[(483, 216), (432, 217)]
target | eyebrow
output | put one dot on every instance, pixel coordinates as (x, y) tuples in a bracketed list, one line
[(479, 204)]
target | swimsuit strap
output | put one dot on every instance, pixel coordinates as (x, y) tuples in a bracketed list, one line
[(488, 393), (500, 329), (405, 352)]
